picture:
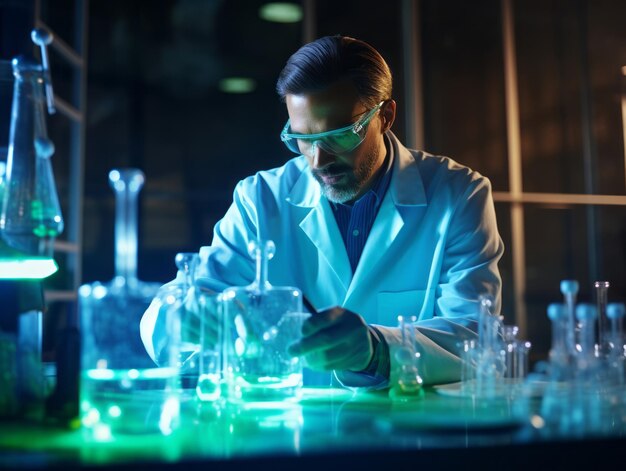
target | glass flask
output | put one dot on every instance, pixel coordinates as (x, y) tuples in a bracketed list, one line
[(260, 322), (407, 384), (31, 215), (186, 263), (122, 390), (181, 298), (490, 360), (209, 305)]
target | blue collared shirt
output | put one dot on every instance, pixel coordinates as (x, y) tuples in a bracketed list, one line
[(355, 220)]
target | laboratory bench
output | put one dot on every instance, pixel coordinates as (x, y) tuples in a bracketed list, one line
[(330, 428)]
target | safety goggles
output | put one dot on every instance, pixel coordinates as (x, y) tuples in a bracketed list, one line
[(338, 141)]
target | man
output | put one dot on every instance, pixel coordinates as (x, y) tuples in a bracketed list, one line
[(366, 228)]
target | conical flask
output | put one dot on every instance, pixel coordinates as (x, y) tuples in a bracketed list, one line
[(31, 215), (260, 322)]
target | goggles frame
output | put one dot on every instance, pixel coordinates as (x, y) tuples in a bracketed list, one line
[(329, 140)]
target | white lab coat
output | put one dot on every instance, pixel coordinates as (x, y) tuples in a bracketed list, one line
[(432, 251)]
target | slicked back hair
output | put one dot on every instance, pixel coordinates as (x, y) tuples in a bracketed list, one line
[(325, 61)]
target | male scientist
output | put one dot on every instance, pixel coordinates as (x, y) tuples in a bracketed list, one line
[(365, 227)]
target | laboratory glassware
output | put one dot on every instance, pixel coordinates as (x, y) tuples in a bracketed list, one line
[(569, 289), (490, 361), (615, 313), (30, 217), (119, 381), (468, 354), (209, 305), (601, 290), (31, 214), (406, 382), (515, 354), (260, 322), (30, 220), (187, 262)]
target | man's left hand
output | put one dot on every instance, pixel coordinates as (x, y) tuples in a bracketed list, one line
[(335, 339)]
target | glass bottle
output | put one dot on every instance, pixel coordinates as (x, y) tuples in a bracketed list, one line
[(261, 321), (490, 364), (121, 386)]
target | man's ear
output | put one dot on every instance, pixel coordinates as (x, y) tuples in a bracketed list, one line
[(388, 114)]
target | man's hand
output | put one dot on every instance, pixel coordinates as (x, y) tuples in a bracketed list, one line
[(335, 339)]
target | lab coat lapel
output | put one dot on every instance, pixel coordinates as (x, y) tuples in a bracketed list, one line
[(404, 196), (318, 223), (386, 227)]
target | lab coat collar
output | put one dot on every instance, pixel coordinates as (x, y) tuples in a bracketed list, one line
[(407, 187), (406, 190)]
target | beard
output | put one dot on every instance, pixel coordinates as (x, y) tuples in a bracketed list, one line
[(353, 180)]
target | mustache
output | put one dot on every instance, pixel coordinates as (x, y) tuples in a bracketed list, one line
[(331, 171)]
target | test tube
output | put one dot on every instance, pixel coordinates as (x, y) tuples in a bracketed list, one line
[(569, 288), (601, 288)]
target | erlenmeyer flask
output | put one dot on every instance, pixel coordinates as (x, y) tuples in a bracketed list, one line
[(260, 322), (31, 215)]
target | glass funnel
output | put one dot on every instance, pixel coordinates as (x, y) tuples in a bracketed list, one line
[(260, 322)]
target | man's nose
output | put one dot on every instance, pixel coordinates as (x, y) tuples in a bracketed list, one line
[(320, 158)]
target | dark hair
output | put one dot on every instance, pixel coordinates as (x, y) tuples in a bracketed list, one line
[(319, 64)]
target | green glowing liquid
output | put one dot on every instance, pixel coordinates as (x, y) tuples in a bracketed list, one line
[(208, 388), (267, 388), (115, 402)]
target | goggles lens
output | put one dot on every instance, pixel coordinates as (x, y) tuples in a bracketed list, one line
[(337, 141)]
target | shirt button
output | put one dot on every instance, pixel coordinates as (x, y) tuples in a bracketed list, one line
[(355, 232)]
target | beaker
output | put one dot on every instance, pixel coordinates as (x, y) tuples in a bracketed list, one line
[(260, 322), (31, 215), (122, 390)]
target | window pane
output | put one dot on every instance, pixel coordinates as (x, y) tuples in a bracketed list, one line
[(463, 85), (569, 57)]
